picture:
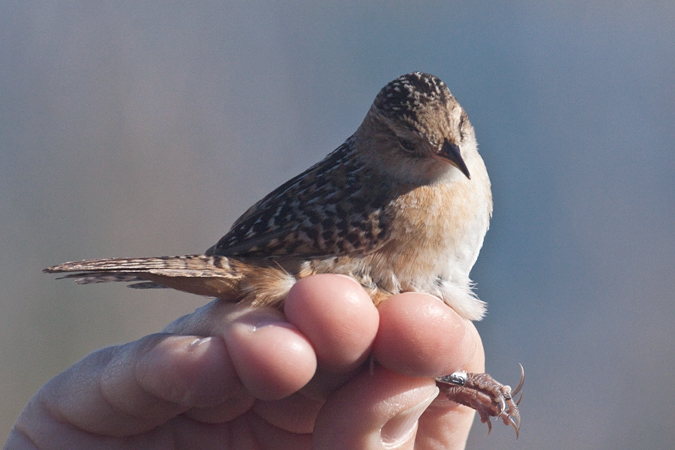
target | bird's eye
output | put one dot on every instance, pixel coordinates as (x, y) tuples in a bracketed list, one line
[(406, 145)]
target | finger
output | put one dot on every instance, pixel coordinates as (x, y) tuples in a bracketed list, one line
[(126, 390), (338, 318), (421, 336), (445, 425), (295, 414), (445, 421), (271, 356), (203, 378), (374, 411)]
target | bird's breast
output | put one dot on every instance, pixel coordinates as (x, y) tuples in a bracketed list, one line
[(436, 233)]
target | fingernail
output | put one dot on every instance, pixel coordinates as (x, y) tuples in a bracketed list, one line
[(253, 321), (400, 427), (197, 342)]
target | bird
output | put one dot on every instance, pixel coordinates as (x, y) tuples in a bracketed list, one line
[(403, 205)]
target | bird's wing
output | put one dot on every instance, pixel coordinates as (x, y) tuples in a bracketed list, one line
[(335, 207)]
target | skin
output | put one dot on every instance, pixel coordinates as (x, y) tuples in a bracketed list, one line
[(234, 377)]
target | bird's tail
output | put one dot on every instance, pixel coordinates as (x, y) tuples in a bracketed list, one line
[(216, 276)]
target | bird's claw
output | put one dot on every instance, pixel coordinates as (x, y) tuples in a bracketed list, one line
[(487, 396)]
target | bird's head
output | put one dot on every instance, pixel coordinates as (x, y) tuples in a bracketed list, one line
[(418, 131)]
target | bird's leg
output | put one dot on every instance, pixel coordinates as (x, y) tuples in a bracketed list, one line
[(486, 395)]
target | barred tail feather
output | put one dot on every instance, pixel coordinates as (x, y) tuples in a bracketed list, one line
[(108, 277), (215, 276), (189, 266)]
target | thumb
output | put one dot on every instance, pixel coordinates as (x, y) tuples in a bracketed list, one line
[(374, 411)]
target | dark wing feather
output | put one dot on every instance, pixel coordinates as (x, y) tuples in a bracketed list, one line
[(333, 208)]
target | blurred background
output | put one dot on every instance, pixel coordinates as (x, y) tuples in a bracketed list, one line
[(145, 128)]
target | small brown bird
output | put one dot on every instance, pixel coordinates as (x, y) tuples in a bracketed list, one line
[(402, 205)]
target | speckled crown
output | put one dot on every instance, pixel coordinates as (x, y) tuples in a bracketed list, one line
[(410, 93)]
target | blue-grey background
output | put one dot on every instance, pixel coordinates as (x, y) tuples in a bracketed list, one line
[(145, 128)]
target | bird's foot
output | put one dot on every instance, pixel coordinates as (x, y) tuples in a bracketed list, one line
[(486, 395)]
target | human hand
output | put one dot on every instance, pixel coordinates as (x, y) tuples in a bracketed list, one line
[(229, 376)]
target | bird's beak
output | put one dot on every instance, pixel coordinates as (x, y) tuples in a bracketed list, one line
[(451, 153)]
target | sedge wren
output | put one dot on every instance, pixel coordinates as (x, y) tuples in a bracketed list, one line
[(402, 205)]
